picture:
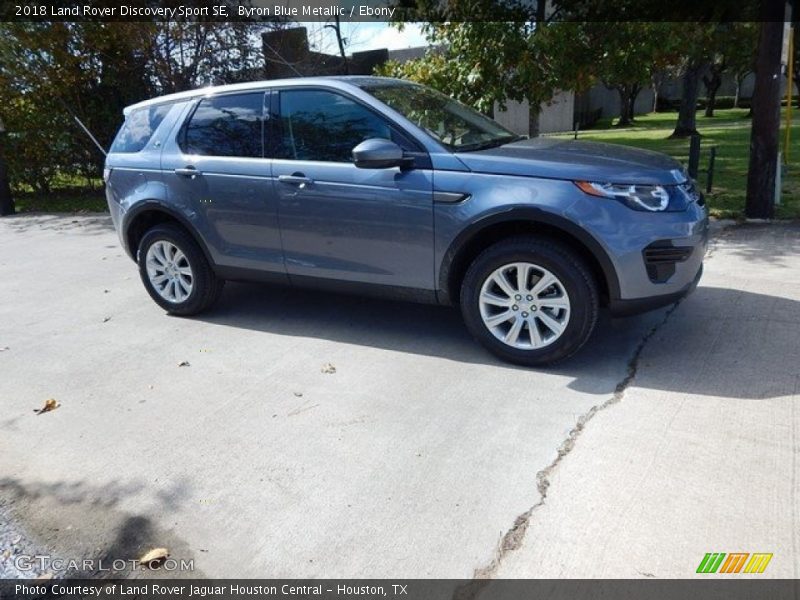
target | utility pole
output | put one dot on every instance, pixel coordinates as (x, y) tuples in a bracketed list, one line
[(766, 106), (6, 201)]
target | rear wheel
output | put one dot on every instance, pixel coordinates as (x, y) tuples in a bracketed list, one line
[(175, 272), (529, 301)]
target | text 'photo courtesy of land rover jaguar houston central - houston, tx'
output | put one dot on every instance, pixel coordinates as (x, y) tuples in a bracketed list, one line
[(374, 185)]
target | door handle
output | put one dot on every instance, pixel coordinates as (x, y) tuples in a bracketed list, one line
[(298, 179), (190, 172)]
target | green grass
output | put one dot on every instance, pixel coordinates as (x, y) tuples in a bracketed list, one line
[(68, 200), (69, 194), (729, 131)]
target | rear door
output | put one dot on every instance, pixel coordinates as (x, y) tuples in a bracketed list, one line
[(217, 172), (339, 221)]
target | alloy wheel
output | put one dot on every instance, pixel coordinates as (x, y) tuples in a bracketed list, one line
[(169, 271), (524, 305)]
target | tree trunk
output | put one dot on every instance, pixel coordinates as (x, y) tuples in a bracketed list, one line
[(624, 106), (766, 106), (340, 41), (687, 114), (655, 98), (711, 101), (534, 112), (713, 84), (632, 99), (736, 94), (6, 200), (42, 185)]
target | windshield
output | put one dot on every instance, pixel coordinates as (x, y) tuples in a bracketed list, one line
[(458, 127)]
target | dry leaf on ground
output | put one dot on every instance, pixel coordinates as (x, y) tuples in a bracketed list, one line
[(154, 557), (50, 404)]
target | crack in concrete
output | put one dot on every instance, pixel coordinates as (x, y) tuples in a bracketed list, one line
[(512, 540)]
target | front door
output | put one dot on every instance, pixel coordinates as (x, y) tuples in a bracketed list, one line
[(339, 221)]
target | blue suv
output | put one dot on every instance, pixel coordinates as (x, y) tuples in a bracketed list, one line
[(380, 186)]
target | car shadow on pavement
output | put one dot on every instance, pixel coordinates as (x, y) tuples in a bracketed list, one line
[(726, 343), (427, 330), (730, 331)]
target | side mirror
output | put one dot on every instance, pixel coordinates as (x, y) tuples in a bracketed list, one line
[(378, 153)]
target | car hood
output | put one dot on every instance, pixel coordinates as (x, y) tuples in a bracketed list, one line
[(574, 160)]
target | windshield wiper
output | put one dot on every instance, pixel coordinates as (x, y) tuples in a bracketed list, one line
[(489, 143)]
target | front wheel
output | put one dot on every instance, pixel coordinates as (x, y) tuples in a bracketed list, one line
[(175, 272), (529, 301)]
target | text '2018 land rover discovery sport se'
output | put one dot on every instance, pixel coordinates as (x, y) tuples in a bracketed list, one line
[(377, 185)]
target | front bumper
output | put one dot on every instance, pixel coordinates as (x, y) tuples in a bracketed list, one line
[(625, 308), (659, 271), (657, 257)]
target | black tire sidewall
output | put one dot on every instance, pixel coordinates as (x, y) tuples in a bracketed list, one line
[(202, 277), (567, 267)]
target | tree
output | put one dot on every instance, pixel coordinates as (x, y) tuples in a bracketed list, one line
[(182, 55), (476, 62), (487, 52), (712, 79), (696, 41), (52, 70), (337, 30), (488, 63), (625, 57), (765, 133), (6, 199), (666, 61), (733, 50)]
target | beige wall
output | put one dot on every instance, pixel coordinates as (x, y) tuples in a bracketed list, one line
[(555, 115)]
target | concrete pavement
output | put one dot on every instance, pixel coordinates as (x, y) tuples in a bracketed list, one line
[(701, 453), (420, 454)]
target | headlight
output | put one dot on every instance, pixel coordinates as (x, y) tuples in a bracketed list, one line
[(652, 198)]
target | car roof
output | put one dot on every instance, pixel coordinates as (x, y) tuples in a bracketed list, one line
[(356, 80)]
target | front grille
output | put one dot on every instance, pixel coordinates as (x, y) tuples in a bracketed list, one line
[(661, 257)]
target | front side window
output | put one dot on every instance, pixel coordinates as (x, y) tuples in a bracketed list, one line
[(319, 125), (229, 125), (139, 127)]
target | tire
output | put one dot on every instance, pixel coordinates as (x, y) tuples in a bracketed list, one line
[(558, 318), (190, 265)]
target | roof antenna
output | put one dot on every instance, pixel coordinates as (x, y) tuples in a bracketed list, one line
[(89, 133), (82, 126)]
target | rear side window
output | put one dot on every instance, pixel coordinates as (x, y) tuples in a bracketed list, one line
[(226, 126), (324, 126), (139, 127)]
